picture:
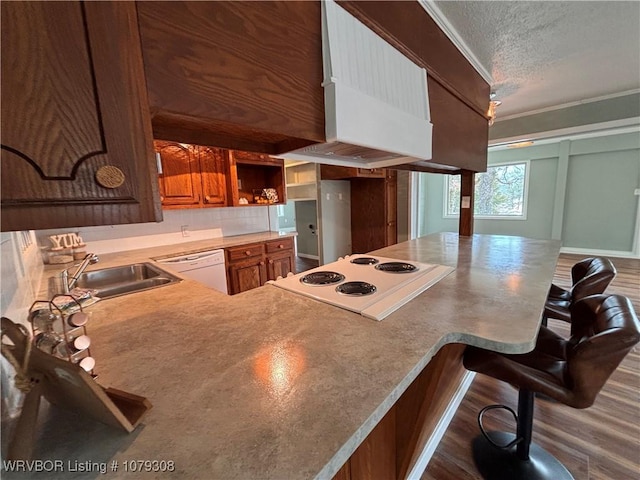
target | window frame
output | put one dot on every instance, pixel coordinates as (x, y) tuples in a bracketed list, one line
[(525, 194)]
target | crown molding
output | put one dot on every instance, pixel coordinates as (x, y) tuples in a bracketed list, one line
[(614, 127), (568, 105)]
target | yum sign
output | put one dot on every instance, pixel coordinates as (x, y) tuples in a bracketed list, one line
[(66, 240)]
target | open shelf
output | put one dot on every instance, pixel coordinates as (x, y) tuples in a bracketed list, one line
[(300, 184), (252, 174)]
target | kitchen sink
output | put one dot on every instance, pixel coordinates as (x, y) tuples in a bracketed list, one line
[(116, 281)]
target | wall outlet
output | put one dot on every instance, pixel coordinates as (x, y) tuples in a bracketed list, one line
[(185, 230)]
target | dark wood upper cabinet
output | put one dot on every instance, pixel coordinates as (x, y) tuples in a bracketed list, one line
[(192, 175), (238, 75), (74, 101), (460, 135)]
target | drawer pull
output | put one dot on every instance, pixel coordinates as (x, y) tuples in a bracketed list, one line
[(280, 246), (247, 253)]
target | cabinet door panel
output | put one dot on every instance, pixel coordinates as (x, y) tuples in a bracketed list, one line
[(213, 169), (245, 276), (280, 265), (179, 181), (59, 68), (73, 101)]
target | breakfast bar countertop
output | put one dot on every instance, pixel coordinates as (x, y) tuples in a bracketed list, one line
[(271, 384)]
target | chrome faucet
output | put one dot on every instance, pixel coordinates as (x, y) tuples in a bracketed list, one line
[(69, 283)]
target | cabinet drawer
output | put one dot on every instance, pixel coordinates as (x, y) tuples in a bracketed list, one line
[(371, 172), (283, 244), (243, 252)]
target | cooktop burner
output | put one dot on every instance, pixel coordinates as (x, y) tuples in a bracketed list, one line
[(356, 288), (357, 284), (396, 267), (365, 261), (322, 278)]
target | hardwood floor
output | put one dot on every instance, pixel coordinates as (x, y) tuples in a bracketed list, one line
[(598, 443), (304, 264)]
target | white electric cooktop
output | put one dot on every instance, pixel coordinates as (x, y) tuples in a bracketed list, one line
[(370, 285)]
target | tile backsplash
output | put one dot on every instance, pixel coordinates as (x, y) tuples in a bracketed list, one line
[(178, 226)]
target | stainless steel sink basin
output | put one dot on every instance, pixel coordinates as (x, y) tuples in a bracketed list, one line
[(115, 281)]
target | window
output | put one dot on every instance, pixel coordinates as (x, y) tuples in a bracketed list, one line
[(500, 192)]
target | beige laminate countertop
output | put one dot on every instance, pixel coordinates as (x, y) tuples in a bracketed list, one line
[(270, 384)]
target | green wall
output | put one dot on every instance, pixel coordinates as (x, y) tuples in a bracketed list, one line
[(600, 207), (580, 191)]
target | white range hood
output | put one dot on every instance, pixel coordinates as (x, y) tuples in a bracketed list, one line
[(376, 99)]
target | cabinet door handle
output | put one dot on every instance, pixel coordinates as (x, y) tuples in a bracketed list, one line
[(270, 262), (207, 198), (261, 263)]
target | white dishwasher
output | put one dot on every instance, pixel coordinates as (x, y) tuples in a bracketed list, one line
[(205, 267)]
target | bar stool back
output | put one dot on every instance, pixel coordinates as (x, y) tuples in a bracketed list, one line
[(590, 276), (604, 329)]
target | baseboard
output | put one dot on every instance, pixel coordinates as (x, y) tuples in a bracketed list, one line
[(590, 252), (423, 460)]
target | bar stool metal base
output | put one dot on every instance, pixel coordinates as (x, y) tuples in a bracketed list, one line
[(496, 464)]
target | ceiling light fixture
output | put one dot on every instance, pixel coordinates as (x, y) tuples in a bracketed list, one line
[(522, 144), (491, 113)]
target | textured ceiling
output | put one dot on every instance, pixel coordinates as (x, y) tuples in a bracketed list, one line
[(544, 54)]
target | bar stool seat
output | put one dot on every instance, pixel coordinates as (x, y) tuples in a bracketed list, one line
[(590, 276), (603, 330)]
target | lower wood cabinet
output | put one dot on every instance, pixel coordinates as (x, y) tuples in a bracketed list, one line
[(246, 267), (280, 258), (251, 265), (246, 275)]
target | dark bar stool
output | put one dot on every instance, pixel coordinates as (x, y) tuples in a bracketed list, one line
[(603, 330), (590, 276)]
